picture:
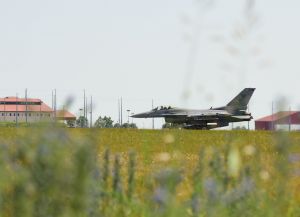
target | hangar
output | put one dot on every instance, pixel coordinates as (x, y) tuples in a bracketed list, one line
[(281, 120)]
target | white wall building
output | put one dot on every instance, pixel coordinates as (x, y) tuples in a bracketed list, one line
[(13, 109)]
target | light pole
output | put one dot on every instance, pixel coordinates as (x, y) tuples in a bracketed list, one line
[(91, 113), (132, 118), (81, 118), (152, 118), (16, 110), (80, 111), (128, 110)]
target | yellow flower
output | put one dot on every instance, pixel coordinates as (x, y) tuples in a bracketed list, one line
[(163, 157), (264, 175), (249, 150), (234, 162), (169, 138)]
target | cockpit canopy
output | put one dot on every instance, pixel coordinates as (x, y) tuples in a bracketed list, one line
[(162, 108)]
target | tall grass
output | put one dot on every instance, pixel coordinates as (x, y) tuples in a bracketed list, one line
[(117, 172)]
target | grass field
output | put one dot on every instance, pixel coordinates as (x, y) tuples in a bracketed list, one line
[(121, 172)]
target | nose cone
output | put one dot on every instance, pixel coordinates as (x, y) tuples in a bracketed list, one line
[(141, 115)]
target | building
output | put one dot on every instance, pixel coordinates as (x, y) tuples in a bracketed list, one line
[(64, 115), (13, 109), (281, 120)]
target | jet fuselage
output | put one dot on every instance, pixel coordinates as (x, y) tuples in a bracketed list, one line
[(234, 111)]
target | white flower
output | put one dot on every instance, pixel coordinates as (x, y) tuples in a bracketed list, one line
[(234, 162), (249, 150), (264, 175), (169, 138), (163, 157)]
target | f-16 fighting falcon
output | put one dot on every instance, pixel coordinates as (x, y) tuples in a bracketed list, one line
[(234, 111)]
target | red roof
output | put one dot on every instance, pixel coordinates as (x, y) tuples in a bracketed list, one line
[(22, 108), (65, 115), (277, 116), (15, 99), (36, 105)]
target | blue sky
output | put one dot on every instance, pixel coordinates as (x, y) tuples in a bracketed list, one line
[(140, 50)]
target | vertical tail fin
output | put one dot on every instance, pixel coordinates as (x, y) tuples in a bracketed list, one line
[(241, 101)]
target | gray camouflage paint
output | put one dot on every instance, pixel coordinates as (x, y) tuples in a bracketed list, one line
[(234, 111)]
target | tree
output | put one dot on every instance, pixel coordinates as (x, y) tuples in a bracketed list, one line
[(133, 125), (117, 125), (82, 122), (70, 123), (127, 125), (240, 128), (105, 122)]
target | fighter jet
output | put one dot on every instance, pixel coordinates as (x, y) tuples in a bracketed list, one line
[(234, 111)]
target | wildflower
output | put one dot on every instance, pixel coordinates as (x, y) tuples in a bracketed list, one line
[(166, 180), (249, 150), (117, 187), (169, 138), (106, 168), (163, 157), (210, 187), (161, 196), (234, 162), (195, 204), (168, 177), (241, 191), (264, 175), (296, 172), (131, 173), (294, 158)]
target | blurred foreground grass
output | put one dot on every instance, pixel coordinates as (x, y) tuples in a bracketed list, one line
[(120, 172)]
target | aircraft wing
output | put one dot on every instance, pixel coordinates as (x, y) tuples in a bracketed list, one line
[(220, 118), (208, 117), (176, 115)]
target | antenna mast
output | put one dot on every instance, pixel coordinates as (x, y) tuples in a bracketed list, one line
[(26, 106), (91, 113), (121, 111), (152, 118)]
